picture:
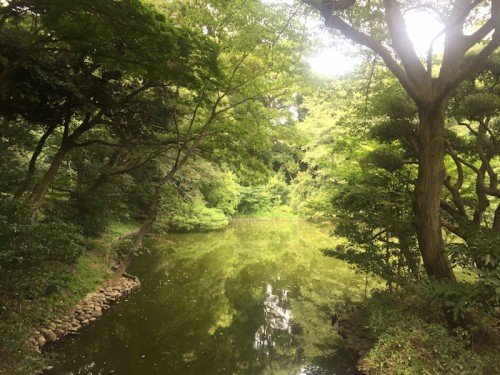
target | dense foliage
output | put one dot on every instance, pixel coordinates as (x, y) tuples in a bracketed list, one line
[(35, 254), (420, 343)]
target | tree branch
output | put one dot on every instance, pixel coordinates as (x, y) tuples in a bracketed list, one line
[(475, 65), (455, 229), (335, 22), (402, 43), (460, 19)]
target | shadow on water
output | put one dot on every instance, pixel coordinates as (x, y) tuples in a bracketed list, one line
[(253, 299)]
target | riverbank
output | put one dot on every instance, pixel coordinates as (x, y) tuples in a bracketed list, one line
[(404, 333), (23, 319), (351, 327), (85, 312)]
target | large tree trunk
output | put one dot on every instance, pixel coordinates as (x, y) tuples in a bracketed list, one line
[(67, 144), (431, 173)]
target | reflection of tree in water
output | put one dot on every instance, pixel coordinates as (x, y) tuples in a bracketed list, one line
[(277, 320), (221, 303)]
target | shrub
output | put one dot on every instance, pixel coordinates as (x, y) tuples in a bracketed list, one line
[(416, 347), (35, 254), (412, 339), (90, 212), (194, 215), (254, 199)]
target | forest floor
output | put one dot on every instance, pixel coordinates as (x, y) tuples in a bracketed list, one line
[(410, 336)]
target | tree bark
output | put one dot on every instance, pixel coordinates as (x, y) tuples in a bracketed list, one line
[(496, 220), (32, 165), (43, 185), (68, 142), (482, 199), (427, 198)]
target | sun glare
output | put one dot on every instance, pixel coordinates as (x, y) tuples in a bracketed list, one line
[(332, 62), (422, 28)]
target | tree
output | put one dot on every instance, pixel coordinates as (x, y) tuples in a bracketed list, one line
[(250, 103), (473, 147), (380, 26), (60, 72), (332, 129), (361, 160)]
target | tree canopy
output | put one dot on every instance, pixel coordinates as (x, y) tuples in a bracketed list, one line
[(380, 26)]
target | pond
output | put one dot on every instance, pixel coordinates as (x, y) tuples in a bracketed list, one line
[(255, 298)]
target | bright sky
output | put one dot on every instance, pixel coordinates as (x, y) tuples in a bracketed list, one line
[(422, 28), (333, 61)]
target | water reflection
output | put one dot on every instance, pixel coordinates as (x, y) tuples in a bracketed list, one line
[(254, 299), (276, 318)]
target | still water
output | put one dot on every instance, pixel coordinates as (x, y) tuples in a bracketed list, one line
[(253, 299)]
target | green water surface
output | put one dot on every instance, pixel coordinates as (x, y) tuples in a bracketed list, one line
[(255, 298)]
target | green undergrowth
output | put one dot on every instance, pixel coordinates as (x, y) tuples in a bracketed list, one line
[(412, 338), (21, 315)]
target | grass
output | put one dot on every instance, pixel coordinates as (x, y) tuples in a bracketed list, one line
[(19, 317), (117, 228)]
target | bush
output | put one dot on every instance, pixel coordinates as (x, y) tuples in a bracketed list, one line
[(35, 255), (90, 212), (254, 199), (193, 215), (462, 298), (269, 201), (480, 256), (422, 348)]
